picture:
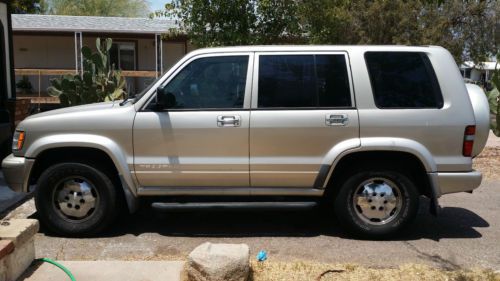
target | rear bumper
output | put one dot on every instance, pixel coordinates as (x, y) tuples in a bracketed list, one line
[(16, 171), (445, 183)]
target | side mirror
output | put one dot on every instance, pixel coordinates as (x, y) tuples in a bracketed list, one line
[(164, 99)]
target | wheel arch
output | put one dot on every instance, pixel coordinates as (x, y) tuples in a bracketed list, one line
[(105, 154), (402, 154)]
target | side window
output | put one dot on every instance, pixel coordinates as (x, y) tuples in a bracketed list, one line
[(212, 82), (403, 80), (303, 81)]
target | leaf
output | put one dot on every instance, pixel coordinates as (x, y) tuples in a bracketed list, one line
[(109, 44), (97, 60), (53, 91), (64, 100), (87, 78), (493, 100), (86, 52)]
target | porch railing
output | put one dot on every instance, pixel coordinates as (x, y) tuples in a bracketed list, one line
[(58, 72)]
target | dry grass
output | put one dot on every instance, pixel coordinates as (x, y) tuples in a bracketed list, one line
[(488, 162), (305, 271)]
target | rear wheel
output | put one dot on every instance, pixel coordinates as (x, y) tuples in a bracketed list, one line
[(376, 204), (75, 199)]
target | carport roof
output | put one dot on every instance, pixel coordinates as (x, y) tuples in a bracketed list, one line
[(56, 23)]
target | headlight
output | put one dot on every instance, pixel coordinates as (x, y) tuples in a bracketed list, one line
[(18, 141)]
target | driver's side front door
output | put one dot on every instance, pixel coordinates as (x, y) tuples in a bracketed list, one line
[(201, 140)]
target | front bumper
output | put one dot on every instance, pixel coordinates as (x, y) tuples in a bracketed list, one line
[(449, 182), (16, 171)]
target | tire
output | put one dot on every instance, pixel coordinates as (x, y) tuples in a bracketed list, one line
[(365, 200), (74, 199)]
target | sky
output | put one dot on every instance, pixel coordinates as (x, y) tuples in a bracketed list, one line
[(157, 4)]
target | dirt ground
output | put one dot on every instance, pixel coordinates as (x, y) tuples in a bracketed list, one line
[(488, 162), (305, 271)]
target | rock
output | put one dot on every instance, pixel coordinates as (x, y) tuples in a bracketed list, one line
[(218, 262)]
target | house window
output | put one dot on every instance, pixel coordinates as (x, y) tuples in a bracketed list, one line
[(467, 73), (123, 55)]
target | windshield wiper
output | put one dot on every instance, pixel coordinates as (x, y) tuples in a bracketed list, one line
[(127, 99)]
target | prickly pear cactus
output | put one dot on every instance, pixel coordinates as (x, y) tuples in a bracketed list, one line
[(99, 82), (494, 100)]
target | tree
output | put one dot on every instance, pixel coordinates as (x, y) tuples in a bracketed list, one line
[(237, 22), (465, 28), (105, 8), (28, 6)]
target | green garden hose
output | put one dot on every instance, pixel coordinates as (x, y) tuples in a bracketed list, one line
[(60, 266)]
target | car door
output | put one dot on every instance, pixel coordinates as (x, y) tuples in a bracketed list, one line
[(202, 138), (302, 106)]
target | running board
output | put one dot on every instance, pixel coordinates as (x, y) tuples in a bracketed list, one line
[(176, 206), (229, 191)]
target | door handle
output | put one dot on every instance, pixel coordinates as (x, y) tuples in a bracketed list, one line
[(336, 119), (228, 121)]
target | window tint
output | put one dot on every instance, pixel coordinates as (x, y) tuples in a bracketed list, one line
[(215, 82), (303, 81), (403, 80)]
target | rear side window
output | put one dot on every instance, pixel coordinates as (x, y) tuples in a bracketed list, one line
[(403, 80), (303, 81)]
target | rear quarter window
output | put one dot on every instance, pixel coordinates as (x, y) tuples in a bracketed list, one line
[(403, 80)]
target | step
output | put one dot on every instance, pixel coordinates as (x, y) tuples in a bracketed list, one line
[(178, 206)]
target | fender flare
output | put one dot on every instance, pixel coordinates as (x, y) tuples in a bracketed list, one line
[(104, 144), (342, 149)]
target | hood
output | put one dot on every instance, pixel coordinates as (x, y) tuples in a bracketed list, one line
[(76, 109)]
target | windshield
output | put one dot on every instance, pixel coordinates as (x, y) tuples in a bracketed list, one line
[(143, 92)]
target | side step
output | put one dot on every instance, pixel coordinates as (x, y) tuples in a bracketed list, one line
[(176, 206)]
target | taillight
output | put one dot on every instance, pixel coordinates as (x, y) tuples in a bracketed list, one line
[(469, 133)]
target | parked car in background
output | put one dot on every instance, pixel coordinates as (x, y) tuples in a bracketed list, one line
[(5, 79), (364, 130)]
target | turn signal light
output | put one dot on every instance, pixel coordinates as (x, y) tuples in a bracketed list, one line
[(18, 141)]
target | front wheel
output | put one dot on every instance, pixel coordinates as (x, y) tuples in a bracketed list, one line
[(376, 204), (75, 199)]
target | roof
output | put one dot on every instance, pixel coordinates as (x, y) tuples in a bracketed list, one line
[(487, 65), (55, 23)]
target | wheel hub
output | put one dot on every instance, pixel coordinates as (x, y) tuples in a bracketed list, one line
[(76, 198), (377, 201)]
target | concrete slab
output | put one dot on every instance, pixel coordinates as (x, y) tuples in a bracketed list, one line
[(18, 230), (107, 271)]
